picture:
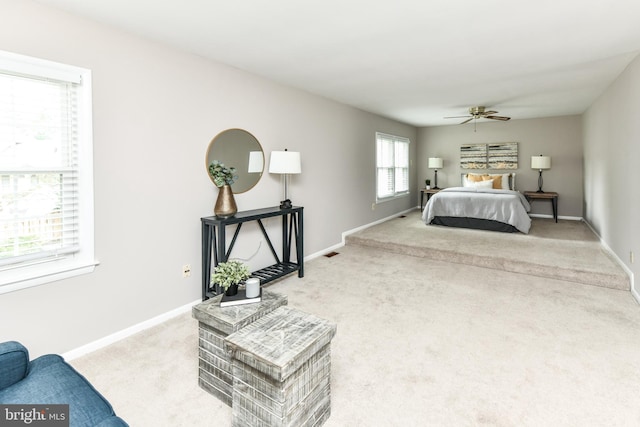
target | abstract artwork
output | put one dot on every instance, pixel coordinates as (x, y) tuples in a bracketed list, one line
[(473, 156), (502, 155), (497, 155)]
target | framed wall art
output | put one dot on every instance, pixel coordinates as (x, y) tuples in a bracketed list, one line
[(502, 155), (473, 156), (496, 155)]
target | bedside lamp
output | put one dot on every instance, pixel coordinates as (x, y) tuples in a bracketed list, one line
[(540, 162), (285, 163), (435, 163)]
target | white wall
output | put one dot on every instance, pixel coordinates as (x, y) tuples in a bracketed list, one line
[(155, 111), (558, 137), (611, 155)]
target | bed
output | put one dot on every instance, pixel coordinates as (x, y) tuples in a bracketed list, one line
[(485, 201)]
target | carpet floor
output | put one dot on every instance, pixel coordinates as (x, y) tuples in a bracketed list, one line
[(420, 342), (566, 250)]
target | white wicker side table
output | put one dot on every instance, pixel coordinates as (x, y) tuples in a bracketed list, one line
[(282, 370), (214, 324)]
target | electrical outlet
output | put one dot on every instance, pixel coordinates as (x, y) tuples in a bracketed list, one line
[(186, 270), (373, 206)]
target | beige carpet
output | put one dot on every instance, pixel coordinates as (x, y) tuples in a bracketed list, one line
[(420, 342), (566, 250)]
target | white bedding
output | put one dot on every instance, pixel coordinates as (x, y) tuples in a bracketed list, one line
[(506, 206)]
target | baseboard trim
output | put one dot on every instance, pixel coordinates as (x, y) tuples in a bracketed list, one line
[(120, 335), (324, 251), (354, 230), (615, 256), (117, 336), (371, 224), (570, 218)]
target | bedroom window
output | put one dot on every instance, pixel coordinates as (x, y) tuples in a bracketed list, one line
[(46, 172), (392, 166)]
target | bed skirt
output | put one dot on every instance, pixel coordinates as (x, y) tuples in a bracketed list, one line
[(480, 224)]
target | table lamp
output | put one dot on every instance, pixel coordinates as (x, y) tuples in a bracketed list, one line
[(435, 163), (540, 162), (285, 163)]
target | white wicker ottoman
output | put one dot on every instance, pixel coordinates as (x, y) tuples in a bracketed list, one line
[(282, 370), (215, 323)]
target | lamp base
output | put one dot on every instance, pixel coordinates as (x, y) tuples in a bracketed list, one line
[(285, 204), (540, 183)]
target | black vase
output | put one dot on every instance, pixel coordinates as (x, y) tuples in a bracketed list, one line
[(231, 290)]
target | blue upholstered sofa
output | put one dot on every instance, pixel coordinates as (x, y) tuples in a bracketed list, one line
[(50, 380)]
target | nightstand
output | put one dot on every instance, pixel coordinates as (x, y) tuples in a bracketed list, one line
[(429, 192), (544, 195)]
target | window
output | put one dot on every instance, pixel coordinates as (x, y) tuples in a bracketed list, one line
[(392, 166), (46, 172)]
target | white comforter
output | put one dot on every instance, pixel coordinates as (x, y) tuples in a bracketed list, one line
[(505, 206)]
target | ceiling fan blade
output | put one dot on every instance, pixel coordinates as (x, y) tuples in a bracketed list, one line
[(456, 117), (504, 119), (467, 121), (487, 113)]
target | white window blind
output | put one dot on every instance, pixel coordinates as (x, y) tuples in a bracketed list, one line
[(43, 205), (392, 166)]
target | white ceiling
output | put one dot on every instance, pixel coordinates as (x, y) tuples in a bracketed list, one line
[(416, 61)]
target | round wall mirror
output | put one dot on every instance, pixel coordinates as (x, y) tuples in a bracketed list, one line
[(239, 149)]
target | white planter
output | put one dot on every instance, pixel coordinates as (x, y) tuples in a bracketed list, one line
[(252, 287)]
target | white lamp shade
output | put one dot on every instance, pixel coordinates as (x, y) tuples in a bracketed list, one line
[(256, 161), (285, 162), (540, 162), (435, 163)]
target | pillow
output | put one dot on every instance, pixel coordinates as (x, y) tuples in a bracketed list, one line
[(475, 177), (481, 184), (470, 178), (500, 182), (496, 181), (505, 181)]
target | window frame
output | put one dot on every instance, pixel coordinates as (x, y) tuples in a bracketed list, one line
[(27, 273), (395, 193)]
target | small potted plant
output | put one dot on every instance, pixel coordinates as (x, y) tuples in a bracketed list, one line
[(427, 183), (228, 275)]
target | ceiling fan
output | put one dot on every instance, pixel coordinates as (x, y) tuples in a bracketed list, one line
[(479, 112)]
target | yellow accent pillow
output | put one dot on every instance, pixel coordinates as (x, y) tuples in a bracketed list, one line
[(497, 180), (474, 177)]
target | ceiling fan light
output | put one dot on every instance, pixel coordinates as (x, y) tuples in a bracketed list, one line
[(478, 112)]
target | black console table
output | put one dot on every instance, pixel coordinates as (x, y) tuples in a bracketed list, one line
[(214, 240)]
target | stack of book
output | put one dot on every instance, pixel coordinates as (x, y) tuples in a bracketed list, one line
[(239, 299)]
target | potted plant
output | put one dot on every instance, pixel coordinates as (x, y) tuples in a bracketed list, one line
[(221, 174), (427, 183), (223, 177), (228, 275)]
